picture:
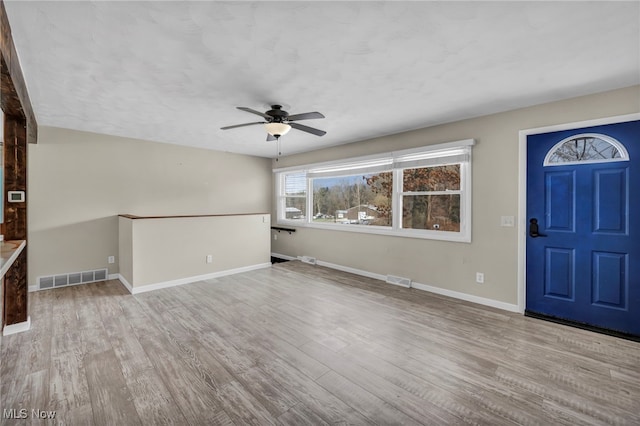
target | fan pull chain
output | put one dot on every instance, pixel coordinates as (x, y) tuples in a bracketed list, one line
[(278, 148)]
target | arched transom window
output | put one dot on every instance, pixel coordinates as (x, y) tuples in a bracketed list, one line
[(586, 148)]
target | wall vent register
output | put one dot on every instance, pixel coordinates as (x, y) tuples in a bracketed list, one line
[(73, 278)]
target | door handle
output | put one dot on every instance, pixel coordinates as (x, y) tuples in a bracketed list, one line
[(533, 228)]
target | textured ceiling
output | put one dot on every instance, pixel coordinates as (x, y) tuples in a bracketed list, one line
[(175, 71)]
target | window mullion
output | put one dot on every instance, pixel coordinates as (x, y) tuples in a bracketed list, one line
[(450, 192), (309, 215), (396, 200)]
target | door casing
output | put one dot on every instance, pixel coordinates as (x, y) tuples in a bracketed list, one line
[(522, 189)]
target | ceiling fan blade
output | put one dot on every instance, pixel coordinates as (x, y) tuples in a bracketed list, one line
[(305, 116), (308, 129), (253, 111), (270, 137), (241, 125)]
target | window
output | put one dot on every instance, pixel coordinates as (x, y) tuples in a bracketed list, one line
[(431, 198), (422, 193), (294, 196), (586, 148)]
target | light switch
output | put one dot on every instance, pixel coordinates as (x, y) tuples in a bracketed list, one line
[(507, 221)]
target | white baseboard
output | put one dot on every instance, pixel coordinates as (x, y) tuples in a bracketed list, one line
[(113, 276), (352, 270), (432, 289), (17, 328), (283, 256), (33, 288), (188, 280), (125, 283), (467, 297)]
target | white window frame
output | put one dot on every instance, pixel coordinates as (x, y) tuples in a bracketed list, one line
[(282, 199), (458, 152)]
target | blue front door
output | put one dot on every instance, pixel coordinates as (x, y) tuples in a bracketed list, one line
[(583, 243)]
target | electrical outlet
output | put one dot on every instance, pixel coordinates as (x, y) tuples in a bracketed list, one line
[(479, 277), (111, 259), (275, 237), (209, 258)]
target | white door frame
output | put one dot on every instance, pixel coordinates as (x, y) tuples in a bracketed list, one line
[(522, 188)]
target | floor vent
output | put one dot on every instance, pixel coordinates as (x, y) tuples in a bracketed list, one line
[(401, 281), (73, 278), (308, 259)]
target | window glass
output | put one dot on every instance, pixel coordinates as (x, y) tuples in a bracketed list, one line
[(441, 178), (586, 148), (435, 212), (295, 208), (353, 200), (295, 184)]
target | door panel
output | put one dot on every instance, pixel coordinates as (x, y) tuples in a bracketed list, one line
[(610, 285), (585, 265), (560, 201), (611, 201), (560, 273)]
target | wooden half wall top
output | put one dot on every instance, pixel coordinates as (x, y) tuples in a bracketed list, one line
[(14, 98)]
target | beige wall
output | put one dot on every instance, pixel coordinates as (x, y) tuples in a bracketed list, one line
[(79, 182), (494, 249), (125, 248), (171, 249)]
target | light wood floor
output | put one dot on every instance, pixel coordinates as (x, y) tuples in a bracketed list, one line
[(298, 344)]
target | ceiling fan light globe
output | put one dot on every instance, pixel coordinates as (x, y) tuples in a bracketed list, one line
[(277, 129)]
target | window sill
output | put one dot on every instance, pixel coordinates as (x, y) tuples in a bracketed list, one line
[(457, 237)]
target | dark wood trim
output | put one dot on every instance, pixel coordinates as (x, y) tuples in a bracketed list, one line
[(583, 326), (13, 86), (20, 128), (1, 305), (15, 177), (16, 291), (130, 216)]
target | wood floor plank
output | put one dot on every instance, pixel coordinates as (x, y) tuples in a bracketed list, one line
[(498, 400), (377, 410), (300, 415), (242, 407), (126, 346), (240, 353), (107, 297), (38, 395), (272, 395), (280, 318), (594, 407), (315, 398), (63, 310), (68, 388), (421, 410), (302, 344), (197, 400), (111, 399), (455, 403), (152, 400)]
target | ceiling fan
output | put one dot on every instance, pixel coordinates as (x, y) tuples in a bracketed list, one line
[(278, 122)]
